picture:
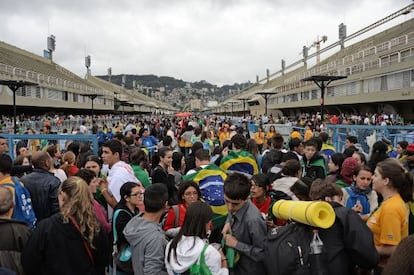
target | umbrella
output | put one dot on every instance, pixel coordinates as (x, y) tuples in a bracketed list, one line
[(183, 114)]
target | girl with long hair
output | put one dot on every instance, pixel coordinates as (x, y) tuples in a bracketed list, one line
[(164, 173), (92, 181), (71, 241), (68, 165), (186, 248), (188, 193), (389, 223), (94, 163), (131, 198)]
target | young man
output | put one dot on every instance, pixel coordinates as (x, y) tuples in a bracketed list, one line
[(43, 186), (4, 147), (238, 159), (14, 234), (314, 162), (120, 172), (145, 235), (274, 155), (245, 229)]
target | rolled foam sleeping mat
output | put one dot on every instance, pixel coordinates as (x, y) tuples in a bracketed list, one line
[(315, 213)]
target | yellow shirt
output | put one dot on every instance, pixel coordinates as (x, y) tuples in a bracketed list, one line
[(259, 137), (224, 136), (308, 135), (389, 224), (269, 135), (4, 181)]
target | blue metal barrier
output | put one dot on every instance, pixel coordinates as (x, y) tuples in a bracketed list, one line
[(14, 139), (338, 134)]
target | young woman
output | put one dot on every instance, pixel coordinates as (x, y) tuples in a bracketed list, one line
[(94, 163), (252, 148), (260, 184), (259, 137), (186, 248), (359, 196), (164, 173), (139, 161), (401, 150), (207, 142), (90, 178), (68, 165), (69, 242), (360, 158), (334, 167), (389, 223), (131, 198), (271, 133), (378, 154), (188, 193)]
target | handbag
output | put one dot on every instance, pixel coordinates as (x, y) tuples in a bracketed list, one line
[(120, 258)]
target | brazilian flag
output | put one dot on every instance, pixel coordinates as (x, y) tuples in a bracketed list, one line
[(327, 149), (241, 161), (211, 179)]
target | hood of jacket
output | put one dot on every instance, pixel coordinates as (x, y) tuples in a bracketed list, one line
[(188, 251), (284, 184), (138, 229)]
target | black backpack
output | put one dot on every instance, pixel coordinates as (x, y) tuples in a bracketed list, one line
[(287, 250)]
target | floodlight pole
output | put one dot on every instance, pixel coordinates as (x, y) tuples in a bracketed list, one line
[(14, 86), (322, 81), (266, 96), (244, 106)]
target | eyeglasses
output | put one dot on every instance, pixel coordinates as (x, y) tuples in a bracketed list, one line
[(136, 194)]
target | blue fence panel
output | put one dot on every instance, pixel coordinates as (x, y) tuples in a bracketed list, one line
[(60, 140), (367, 135)]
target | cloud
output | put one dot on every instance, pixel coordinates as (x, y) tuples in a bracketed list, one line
[(219, 41)]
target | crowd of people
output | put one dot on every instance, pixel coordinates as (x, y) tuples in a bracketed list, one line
[(178, 195)]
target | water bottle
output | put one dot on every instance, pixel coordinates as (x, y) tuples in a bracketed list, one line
[(318, 255)]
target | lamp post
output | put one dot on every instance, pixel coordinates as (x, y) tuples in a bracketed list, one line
[(92, 97), (266, 95), (322, 81), (14, 86), (244, 99), (232, 104)]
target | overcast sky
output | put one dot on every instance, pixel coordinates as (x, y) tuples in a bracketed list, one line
[(220, 41)]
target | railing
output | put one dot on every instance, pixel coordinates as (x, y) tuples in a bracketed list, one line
[(367, 135), (60, 140)]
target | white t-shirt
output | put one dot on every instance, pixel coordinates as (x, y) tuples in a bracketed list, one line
[(120, 173)]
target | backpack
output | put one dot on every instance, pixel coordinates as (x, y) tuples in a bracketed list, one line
[(200, 267), (287, 250), (23, 208), (121, 258)]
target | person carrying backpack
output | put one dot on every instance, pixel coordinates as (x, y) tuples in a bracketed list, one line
[(23, 209), (188, 253)]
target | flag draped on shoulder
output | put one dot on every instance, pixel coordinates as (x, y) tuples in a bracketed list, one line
[(211, 179), (241, 161)]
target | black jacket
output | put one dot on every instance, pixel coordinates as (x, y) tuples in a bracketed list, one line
[(57, 248), (349, 242), (315, 168), (13, 237), (43, 187), (270, 159), (159, 175)]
